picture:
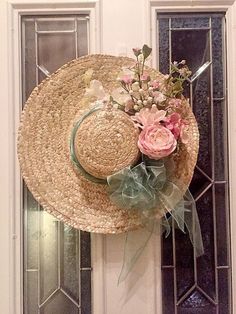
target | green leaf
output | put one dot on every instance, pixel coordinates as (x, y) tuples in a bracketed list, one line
[(146, 51), (177, 88)]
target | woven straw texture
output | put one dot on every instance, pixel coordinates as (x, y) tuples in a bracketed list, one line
[(106, 142), (43, 148)]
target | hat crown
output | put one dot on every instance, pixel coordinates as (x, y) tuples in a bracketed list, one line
[(106, 142)]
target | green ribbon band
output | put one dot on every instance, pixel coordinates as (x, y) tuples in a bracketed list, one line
[(73, 156)]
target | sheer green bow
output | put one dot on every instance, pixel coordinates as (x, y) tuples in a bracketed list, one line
[(146, 190)]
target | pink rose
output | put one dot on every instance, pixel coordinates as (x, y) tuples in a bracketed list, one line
[(156, 141)]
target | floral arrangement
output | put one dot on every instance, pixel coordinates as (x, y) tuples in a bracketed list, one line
[(153, 104), (158, 109)]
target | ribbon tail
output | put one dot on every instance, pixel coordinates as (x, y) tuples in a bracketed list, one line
[(135, 243), (192, 224), (184, 214)]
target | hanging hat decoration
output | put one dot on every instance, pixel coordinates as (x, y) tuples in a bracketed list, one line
[(107, 144)]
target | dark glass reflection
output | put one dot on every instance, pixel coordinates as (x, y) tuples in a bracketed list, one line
[(201, 285)]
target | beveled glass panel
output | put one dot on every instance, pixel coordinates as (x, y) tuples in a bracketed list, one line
[(168, 290), (53, 252), (59, 304), (191, 45), (48, 254), (220, 151), (201, 285), (33, 232), (206, 263), (184, 263), (48, 47), (70, 261), (29, 56), (194, 47), (224, 290), (199, 183), (167, 253), (217, 56), (202, 110), (82, 31), (196, 303), (222, 224), (190, 21), (85, 249), (31, 297), (56, 24), (163, 55), (86, 306), (41, 76)]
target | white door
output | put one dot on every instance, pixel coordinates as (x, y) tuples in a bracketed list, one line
[(40, 256)]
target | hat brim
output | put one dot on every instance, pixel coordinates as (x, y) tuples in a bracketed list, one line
[(44, 156)]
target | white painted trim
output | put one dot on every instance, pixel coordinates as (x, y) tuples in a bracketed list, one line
[(16, 280), (5, 187), (12, 231), (191, 3), (15, 9), (98, 281)]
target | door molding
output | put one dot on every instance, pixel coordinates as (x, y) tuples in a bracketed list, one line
[(229, 7), (10, 86)]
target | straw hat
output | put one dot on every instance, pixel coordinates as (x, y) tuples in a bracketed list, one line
[(48, 118)]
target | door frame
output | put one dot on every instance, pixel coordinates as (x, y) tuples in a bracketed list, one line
[(11, 200)]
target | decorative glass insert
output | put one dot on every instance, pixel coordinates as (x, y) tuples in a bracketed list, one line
[(200, 285), (57, 258)]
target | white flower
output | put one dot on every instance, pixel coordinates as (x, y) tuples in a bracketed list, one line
[(135, 86), (116, 106), (119, 95), (95, 89), (125, 71), (159, 97)]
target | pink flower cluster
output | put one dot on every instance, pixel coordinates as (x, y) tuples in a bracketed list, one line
[(160, 133), (142, 90)]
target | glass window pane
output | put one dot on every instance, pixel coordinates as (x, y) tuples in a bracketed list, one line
[(63, 24), (57, 258), (48, 46), (198, 284)]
